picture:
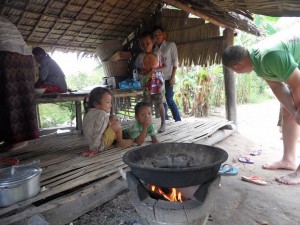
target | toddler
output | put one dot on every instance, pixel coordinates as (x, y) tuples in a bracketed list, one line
[(143, 125)]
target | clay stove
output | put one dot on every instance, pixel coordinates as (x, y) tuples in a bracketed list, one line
[(174, 165)]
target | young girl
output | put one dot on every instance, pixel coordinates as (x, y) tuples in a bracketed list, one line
[(99, 129)]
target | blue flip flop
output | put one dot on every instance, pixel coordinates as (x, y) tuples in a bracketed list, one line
[(227, 170)]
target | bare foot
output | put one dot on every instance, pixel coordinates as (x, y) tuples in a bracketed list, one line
[(280, 165), (291, 178), (125, 143), (19, 145), (162, 128)]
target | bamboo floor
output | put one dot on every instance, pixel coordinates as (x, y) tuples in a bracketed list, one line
[(73, 185)]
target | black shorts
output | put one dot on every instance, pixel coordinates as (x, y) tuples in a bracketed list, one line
[(157, 98)]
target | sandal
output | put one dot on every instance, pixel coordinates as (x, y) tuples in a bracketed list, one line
[(89, 153), (255, 180), (246, 159), (256, 152), (227, 170)]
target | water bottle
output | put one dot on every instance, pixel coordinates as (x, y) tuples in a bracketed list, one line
[(135, 75)]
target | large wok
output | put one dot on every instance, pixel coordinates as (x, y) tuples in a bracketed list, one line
[(175, 164)]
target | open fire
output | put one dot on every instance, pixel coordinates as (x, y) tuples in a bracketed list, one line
[(174, 183), (171, 194)]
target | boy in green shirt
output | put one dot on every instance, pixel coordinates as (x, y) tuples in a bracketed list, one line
[(143, 125)]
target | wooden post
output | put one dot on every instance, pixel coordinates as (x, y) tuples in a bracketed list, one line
[(78, 116), (38, 116), (229, 81)]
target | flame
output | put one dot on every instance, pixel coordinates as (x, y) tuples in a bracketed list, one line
[(173, 196)]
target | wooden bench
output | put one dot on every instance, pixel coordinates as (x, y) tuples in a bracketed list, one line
[(122, 99)]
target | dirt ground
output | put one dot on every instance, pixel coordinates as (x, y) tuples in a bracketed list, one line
[(237, 202)]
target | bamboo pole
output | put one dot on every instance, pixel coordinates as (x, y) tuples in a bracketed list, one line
[(229, 82), (196, 13)]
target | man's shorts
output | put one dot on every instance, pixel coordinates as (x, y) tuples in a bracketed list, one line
[(108, 137)]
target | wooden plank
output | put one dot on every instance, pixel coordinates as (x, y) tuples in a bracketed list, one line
[(120, 55), (56, 203), (66, 186), (81, 162), (67, 212), (87, 175)]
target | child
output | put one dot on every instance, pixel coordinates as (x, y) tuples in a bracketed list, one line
[(149, 62), (155, 86), (99, 129), (143, 125)]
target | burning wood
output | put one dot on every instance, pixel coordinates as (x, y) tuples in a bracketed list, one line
[(171, 194)]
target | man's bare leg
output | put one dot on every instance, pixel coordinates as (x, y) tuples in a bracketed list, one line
[(291, 178), (162, 117), (290, 134)]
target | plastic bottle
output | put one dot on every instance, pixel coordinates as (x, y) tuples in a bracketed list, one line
[(135, 75)]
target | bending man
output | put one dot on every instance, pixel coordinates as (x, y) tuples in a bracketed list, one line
[(276, 59)]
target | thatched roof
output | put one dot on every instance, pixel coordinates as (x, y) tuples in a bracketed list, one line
[(81, 25)]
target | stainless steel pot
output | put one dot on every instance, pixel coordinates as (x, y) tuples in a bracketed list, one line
[(19, 183)]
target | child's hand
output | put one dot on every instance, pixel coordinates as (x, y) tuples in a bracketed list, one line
[(297, 116), (147, 123)]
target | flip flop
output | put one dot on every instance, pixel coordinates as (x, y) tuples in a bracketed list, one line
[(89, 153), (256, 152), (255, 180), (227, 170), (246, 159)]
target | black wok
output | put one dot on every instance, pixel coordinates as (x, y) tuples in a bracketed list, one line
[(175, 164)]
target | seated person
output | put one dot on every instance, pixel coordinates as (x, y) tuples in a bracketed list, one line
[(143, 125), (51, 75), (100, 129)]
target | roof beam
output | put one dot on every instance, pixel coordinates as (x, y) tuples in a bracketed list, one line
[(196, 13), (33, 43)]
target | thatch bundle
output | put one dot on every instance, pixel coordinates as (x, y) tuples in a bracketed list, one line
[(197, 45), (195, 33), (200, 53)]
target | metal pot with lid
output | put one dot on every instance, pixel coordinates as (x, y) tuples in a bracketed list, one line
[(18, 183)]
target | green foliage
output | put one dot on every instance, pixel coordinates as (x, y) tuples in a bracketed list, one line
[(199, 88), (267, 23), (80, 80), (250, 88), (53, 115)]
